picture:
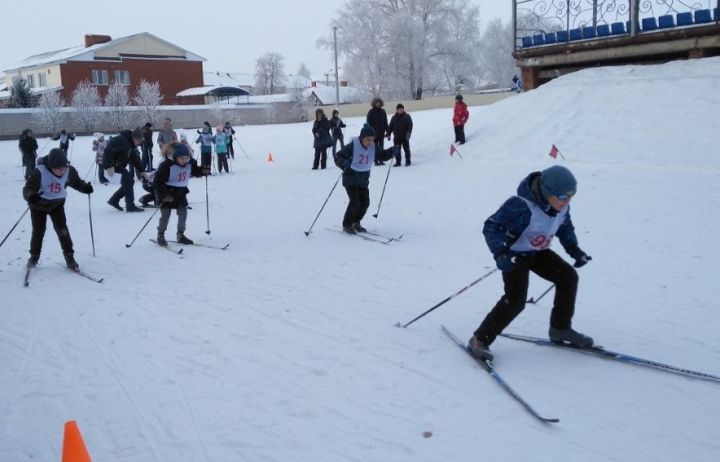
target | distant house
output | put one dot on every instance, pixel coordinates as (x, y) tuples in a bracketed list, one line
[(321, 95), (102, 60), (228, 87)]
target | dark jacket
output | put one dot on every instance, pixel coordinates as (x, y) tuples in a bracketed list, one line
[(28, 145), (401, 127), (147, 134), (321, 134), (377, 119), (337, 125), (120, 151), (505, 226), (32, 186), (351, 178), (162, 190)]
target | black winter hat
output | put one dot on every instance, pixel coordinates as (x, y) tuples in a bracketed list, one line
[(180, 150), (137, 133), (557, 181), (458, 97), (366, 131), (399, 105), (148, 125), (56, 159)]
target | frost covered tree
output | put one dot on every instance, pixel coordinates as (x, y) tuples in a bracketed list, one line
[(20, 95), (148, 99), (50, 117), (303, 71), (496, 53), (270, 75), (297, 96), (407, 46), (86, 102), (117, 101)]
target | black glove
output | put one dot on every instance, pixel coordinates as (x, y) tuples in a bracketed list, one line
[(88, 189), (580, 257), (504, 262), (34, 198)]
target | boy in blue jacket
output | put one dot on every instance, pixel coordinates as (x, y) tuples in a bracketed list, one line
[(519, 236)]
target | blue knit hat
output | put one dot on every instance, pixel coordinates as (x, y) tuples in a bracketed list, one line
[(557, 181), (180, 150), (367, 130)]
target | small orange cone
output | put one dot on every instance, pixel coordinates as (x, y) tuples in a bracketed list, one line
[(270, 159), (74, 449)]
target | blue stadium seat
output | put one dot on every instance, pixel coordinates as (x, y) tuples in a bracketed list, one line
[(702, 16), (666, 21), (527, 42), (603, 30), (550, 38), (617, 28), (649, 24), (589, 32), (684, 19), (562, 36), (575, 34), (538, 39)]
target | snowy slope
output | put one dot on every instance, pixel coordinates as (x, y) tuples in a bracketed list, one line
[(283, 347)]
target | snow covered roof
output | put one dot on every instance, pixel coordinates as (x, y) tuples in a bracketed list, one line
[(83, 53), (229, 79), (218, 90), (326, 95)]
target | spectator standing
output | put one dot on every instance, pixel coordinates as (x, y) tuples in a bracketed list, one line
[(400, 127), (377, 119)]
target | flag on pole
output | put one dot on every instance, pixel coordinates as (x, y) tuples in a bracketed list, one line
[(554, 152), (452, 149)]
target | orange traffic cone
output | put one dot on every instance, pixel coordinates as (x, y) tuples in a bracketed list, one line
[(270, 159), (74, 449)]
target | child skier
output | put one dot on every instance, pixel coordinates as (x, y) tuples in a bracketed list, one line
[(230, 133), (171, 181), (337, 124), (519, 236), (221, 149), (65, 139), (98, 146), (356, 160), (28, 148), (205, 138), (45, 194)]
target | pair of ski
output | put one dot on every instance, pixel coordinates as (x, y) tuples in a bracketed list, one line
[(78, 271), (596, 351), (371, 236), (174, 246)]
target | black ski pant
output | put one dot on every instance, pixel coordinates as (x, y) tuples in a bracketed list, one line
[(549, 266), (231, 149), (320, 158), (147, 158), (39, 223), (459, 133), (125, 190), (358, 205), (406, 147), (101, 174), (29, 163), (223, 163), (339, 137), (379, 147), (206, 159)]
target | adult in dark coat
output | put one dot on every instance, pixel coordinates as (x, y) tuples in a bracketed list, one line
[(120, 152), (377, 119), (147, 146), (321, 139), (400, 127), (28, 148)]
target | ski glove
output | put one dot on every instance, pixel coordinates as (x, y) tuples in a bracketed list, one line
[(580, 257), (504, 262), (88, 189), (34, 198)]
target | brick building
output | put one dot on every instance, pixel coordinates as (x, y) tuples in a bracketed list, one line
[(103, 60)]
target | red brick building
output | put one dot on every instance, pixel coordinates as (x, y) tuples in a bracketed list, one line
[(102, 60)]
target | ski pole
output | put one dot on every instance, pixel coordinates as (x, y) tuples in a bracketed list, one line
[(241, 147), (142, 229), (383, 191), (207, 206), (90, 170), (44, 146), (533, 301), (14, 226), (449, 298), (307, 233), (92, 235)]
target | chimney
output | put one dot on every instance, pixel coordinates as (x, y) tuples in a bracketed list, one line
[(313, 83), (94, 39), (343, 83)]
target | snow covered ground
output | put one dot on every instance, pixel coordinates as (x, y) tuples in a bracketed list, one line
[(284, 348)]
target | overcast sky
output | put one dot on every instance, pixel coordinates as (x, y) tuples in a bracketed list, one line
[(231, 35)]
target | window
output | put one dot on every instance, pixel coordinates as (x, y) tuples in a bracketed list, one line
[(31, 80), (123, 77), (99, 77), (42, 80)]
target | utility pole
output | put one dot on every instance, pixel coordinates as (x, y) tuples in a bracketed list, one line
[(337, 77)]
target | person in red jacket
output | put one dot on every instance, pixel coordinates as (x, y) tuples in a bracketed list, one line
[(460, 117)]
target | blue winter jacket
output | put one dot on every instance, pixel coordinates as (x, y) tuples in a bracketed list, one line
[(505, 226)]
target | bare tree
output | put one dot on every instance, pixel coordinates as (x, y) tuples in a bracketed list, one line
[(50, 117), (270, 75), (117, 101), (297, 97), (148, 99), (217, 114), (86, 102)]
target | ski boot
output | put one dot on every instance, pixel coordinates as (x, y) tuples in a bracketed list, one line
[(349, 230), (479, 349), (570, 336), (358, 228), (70, 262), (32, 261), (161, 240), (182, 239)]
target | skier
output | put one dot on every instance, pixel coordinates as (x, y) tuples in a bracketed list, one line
[(206, 138), (184, 140), (519, 236), (147, 146), (221, 149), (171, 181), (28, 148), (45, 194), (121, 152), (65, 139), (356, 160), (377, 119), (460, 118), (400, 127), (98, 146), (337, 124), (321, 139), (230, 133)]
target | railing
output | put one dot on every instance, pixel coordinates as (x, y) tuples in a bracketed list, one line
[(548, 22)]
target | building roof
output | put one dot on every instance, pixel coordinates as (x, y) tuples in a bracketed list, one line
[(326, 95), (214, 90), (230, 79), (83, 53)]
